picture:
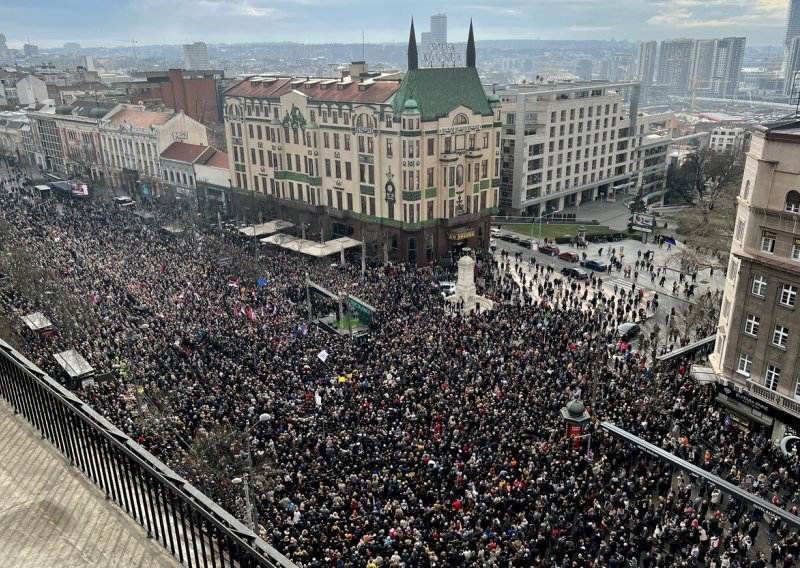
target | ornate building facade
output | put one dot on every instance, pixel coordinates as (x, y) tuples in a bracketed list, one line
[(410, 166)]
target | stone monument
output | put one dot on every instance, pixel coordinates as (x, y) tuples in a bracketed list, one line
[(465, 288)]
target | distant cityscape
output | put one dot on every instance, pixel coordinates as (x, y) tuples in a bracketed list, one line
[(671, 96), (439, 302), (683, 67)]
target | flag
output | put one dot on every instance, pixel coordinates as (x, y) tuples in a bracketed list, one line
[(235, 311), (304, 328), (323, 355), (252, 314), (669, 240), (233, 283), (262, 282)]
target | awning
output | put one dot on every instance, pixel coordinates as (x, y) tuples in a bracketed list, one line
[(37, 322), (703, 375), (72, 362), (460, 234), (311, 248), (267, 228)]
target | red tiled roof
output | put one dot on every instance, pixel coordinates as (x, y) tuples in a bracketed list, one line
[(140, 118), (317, 89), (183, 152), (217, 160)]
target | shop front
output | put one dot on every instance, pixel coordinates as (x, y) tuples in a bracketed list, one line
[(754, 414), (458, 239)]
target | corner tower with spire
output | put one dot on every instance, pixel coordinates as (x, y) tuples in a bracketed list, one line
[(413, 57), (470, 46), (448, 173)]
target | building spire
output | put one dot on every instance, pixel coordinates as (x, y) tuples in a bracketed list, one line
[(471, 47), (413, 58)]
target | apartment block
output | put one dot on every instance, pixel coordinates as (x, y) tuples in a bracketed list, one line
[(567, 143), (729, 139), (133, 140), (758, 337)]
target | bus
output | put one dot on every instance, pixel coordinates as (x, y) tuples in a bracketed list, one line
[(70, 189)]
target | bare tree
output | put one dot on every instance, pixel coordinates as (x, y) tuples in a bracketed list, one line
[(704, 175), (39, 288)]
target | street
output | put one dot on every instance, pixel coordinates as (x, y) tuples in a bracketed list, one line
[(664, 256)]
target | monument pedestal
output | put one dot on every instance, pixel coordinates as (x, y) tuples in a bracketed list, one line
[(465, 288)]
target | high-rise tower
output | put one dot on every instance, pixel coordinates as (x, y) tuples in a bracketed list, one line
[(646, 67), (792, 24)]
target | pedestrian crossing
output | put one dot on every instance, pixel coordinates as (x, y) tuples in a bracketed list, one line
[(624, 284)]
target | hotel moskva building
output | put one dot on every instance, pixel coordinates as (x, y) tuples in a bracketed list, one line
[(408, 163)]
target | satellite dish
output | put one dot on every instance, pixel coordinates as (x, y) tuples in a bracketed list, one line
[(790, 445)]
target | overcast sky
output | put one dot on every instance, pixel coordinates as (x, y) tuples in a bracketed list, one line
[(99, 22)]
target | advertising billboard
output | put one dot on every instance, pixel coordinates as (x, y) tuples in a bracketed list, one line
[(643, 222)]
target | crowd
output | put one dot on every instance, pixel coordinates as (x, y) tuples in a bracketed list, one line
[(434, 441)]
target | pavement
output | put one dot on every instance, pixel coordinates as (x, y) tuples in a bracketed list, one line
[(664, 256), (53, 516), (613, 214)]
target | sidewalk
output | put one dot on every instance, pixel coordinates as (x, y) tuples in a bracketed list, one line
[(51, 515)]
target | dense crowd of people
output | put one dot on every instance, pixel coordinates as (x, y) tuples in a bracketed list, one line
[(436, 440)]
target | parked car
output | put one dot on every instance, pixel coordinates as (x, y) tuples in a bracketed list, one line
[(447, 288), (528, 243), (596, 265), (628, 331), (495, 232), (549, 250), (569, 256), (576, 273), (510, 238)]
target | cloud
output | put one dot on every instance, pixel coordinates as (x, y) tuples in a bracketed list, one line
[(732, 14), (226, 21), (589, 29)]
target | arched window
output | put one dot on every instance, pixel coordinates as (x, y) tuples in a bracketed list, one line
[(793, 202), (365, 121), (460, 119)]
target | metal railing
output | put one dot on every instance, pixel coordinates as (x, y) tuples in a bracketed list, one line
[(194, 529), (775, 398)]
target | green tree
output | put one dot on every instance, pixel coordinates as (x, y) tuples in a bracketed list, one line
[(638, 204)]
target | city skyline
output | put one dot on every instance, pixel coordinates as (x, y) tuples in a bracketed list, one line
[(322, 21)]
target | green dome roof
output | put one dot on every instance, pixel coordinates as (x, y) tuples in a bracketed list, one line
[(411, 107), (494, 99)]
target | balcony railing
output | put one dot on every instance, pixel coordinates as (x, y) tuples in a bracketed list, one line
[(336, 213), (774, 398), (194, 529)]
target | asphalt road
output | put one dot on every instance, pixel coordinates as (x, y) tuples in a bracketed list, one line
[(662, 257)]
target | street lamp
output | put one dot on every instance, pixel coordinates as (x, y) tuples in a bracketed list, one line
[(245, 479), (542, 216)]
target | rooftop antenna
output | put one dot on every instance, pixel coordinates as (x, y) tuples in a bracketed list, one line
[(363, 47)]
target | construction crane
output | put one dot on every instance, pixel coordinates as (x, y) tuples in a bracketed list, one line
[(133, 42)]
